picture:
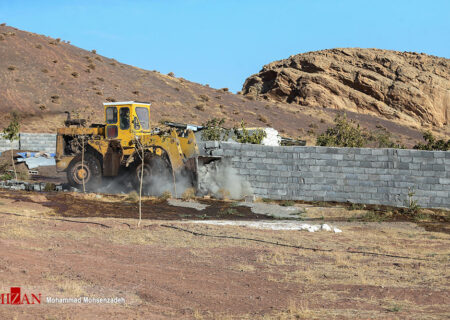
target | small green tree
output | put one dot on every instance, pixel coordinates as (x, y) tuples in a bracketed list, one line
[(214, 131), (432, 143), (343, 134), (242, 135), (11, 133)]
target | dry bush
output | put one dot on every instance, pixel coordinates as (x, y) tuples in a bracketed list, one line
[(99, 59), (100, 79), (94, 51), (2, 37), (188, 194), (165, 195), (12, 68), (136, 92), (132, 196), (50, 187), (262, 118), (200, 107), (224, 89), (75, 74), (44, 70), (91, 66), (171, 74), (204, 97)]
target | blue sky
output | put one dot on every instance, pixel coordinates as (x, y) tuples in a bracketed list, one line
[(221, 43)]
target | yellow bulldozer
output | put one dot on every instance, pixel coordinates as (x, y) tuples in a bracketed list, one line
[(117, 148)]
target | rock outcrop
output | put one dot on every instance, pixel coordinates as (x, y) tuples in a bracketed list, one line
[(408, 87)]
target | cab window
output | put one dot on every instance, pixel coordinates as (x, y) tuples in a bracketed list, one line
[(111, 115), (124, 114), (144, 119)]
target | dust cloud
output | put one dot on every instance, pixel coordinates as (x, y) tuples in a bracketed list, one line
[(221, 180)]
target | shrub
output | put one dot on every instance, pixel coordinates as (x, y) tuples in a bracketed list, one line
[(214, 130), (188, 194), (50, 186), (432, 143), (74, 74), (171, 74), (262, 119), (204, 97), (6, 176), (243, 136), (413, 206), (132, 196), (383, 139), (94, 51), (200, 107), (38, 46), (165, 195), (12, 68), (343, 134)]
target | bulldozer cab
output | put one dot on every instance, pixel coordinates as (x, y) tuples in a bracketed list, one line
[(124, 120)]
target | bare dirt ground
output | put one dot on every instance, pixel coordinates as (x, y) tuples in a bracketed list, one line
[(220, 272)]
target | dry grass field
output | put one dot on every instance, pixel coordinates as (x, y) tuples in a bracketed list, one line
[(163, 272)]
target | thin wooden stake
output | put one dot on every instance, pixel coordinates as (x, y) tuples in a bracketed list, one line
[(140, 187), (82, 161)]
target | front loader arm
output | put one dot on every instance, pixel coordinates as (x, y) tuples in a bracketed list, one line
[(170, 144)]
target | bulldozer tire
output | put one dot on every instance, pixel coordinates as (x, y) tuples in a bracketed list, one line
[(157, 172), (91, 170)]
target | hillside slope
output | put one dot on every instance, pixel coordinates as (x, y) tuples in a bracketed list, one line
[(41, 77), (402, 86)]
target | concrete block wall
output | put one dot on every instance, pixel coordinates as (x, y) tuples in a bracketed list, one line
[(30, 141), (7, 145), (38, 142), (358, 175)]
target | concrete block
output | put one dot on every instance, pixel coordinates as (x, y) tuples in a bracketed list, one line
[(365, 151)]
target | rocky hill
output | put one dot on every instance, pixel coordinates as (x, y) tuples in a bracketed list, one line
[(41, 77), (407, 87)]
